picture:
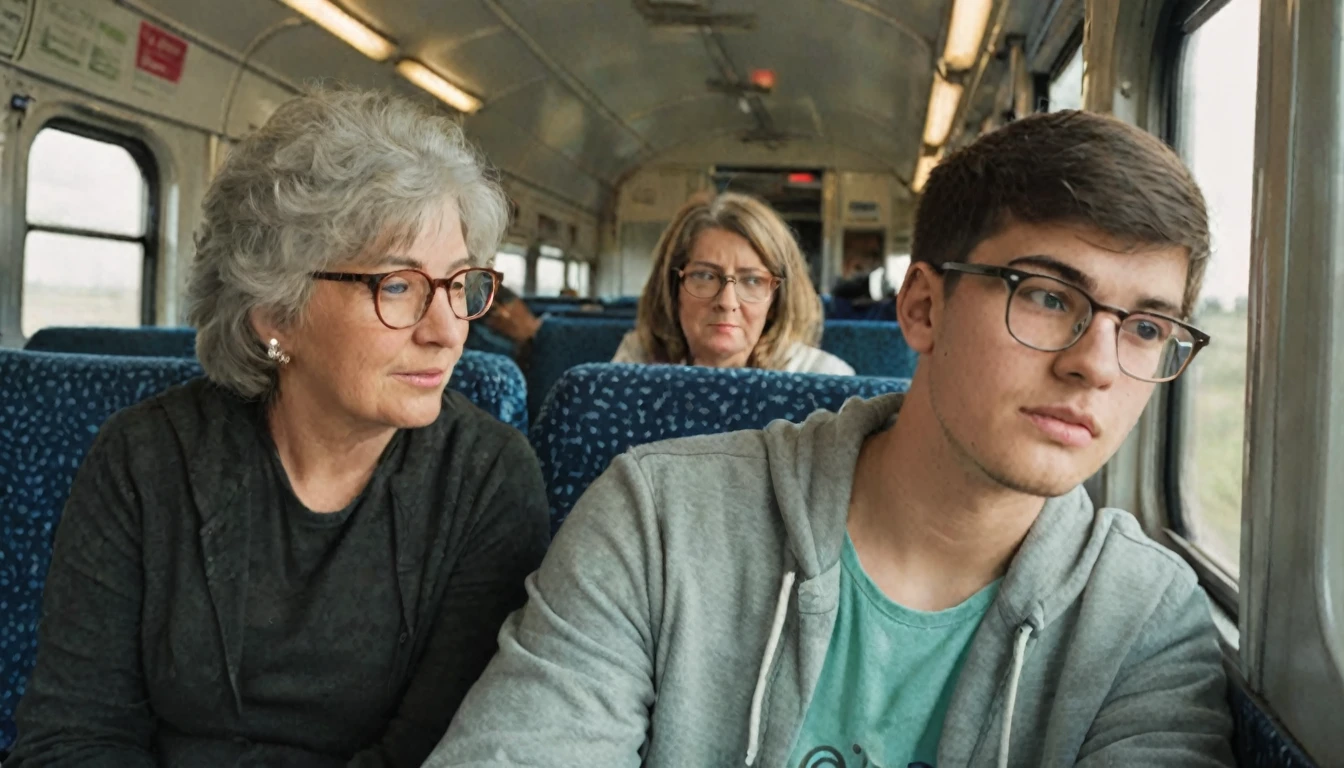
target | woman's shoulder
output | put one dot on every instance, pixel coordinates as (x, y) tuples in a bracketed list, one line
[(807, 359), (630, 350), (177, 417)]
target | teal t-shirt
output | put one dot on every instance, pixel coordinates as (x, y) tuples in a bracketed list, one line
[(888, 678)]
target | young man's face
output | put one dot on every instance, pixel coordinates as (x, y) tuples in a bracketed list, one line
[(1041, 422)]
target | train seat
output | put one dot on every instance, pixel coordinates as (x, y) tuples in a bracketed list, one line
[(1258, 740), (564, 342), (872, 348), (146, 341), (596, 412), (494, 382)]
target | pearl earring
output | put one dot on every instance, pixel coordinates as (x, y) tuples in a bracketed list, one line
[(274, 352)]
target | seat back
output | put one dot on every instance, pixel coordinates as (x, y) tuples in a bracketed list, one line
[(51, 406), (596, 412), (873, 348), (1258, 740), (148, 341), (564, 342), (495, 384), (492, 381)]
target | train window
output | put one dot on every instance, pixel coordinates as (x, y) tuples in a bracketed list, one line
[(895, 267), (1215, 124), (88, 243), (1066, 86), (514, 267), (550, 271), (578, 273)]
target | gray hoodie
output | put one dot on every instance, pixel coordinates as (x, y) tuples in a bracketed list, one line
[(683, 612)]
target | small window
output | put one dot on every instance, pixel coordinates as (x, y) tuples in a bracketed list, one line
[(550, 274), (578, 273), (1215, 122), (514, 267), (1066, 86), (895, 266), (88, 249)]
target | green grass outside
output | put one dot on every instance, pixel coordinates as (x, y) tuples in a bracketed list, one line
[(1212, 472)]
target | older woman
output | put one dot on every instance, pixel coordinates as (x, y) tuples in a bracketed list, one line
[(302, 559), (729, 289)]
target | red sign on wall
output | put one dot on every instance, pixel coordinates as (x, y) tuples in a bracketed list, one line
[(160, 53)]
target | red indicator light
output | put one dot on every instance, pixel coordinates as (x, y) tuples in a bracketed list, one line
[(763, 78)]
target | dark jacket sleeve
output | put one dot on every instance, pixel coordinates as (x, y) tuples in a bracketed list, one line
[(573, 683), (505, 541), (86, 703)]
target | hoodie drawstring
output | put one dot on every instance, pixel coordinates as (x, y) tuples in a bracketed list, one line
[(758, 696), (1019, 655)]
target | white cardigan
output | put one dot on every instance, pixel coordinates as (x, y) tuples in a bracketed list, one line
[(802, 358)]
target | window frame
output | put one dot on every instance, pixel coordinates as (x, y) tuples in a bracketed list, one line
[(549, 253), (518, 250), (1074, 46), (571, 260), (1186, 18), (149, 241)]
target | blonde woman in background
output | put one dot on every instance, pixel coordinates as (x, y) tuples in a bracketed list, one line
[(729, 289)]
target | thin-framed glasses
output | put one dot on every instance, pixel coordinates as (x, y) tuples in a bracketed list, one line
[(401, 298), (1050, 315), (709, 283)]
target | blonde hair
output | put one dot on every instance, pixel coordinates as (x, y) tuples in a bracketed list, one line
[(795, 310)]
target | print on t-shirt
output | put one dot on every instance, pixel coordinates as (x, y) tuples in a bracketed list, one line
[(830, 757), (888, 678)]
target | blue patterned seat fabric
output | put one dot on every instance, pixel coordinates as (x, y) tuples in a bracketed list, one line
[(1258, 741), (51, 406), (873, 348), (149, 341), (597, 412), (492, 381), (495, 384), (564, 342)]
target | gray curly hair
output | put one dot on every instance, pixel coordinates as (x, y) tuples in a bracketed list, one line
[(333, 175)]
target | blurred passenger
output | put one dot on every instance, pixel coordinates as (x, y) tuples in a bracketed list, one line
[(729, 289)]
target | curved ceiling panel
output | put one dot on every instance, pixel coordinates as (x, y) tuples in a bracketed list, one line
[(575, 31), (579, 92), (924, 18), (490, 63), (555, 117), (633, 79), (410, 21), (688, 120), (516, 153), (309, 53)]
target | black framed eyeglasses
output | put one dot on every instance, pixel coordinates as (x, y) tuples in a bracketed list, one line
[(401, 298), (709, 283), (1050, 315)]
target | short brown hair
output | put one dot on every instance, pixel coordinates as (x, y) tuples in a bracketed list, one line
[(1067, 167), (795, 310)]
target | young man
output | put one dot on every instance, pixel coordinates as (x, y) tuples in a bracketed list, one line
[(916, 580)]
